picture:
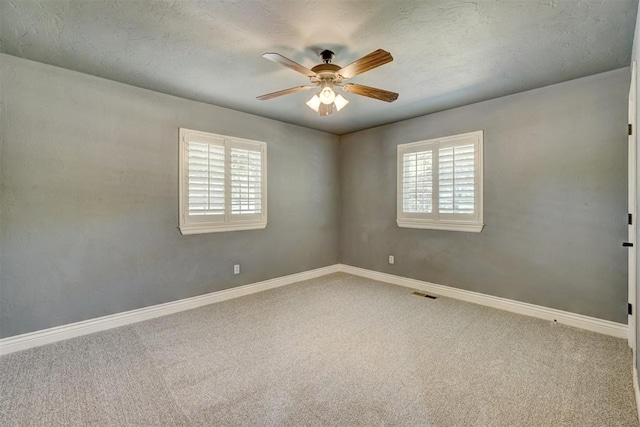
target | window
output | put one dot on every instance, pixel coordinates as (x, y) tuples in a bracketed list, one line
[(440, 183), (223, 183)]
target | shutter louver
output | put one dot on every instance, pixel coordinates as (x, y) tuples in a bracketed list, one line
[(417, 182), (206, 179), (246, 181), (456, 176)]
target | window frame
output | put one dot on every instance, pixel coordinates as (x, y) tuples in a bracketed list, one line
[(198, 224), (435, 220)]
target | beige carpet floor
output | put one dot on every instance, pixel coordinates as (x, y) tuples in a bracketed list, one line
[(335, 351)]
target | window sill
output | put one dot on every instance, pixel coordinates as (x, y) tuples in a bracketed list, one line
[(217, 228), (441, 225)]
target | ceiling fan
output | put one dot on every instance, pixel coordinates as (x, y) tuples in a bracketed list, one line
[(328, 76)]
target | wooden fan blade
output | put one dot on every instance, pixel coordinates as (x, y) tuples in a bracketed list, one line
[(325, 109), (276, 57), (371, 92), (283, 92), (366, 63)]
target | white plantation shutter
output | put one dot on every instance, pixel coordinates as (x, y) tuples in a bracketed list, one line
[(456, 177), (246, 181), (206, 179), (440, 183), (222, 183), (417, 182)]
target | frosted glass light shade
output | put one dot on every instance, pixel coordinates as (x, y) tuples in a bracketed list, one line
[(340, 102), (327, 95), (314, 103)]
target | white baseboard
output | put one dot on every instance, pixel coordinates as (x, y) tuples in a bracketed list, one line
[(572, 319), (635, 388), (59, 333)]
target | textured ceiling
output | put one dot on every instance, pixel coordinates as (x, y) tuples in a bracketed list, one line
[(447, 53)]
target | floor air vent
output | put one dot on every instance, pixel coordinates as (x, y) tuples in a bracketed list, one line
[(421, 294)]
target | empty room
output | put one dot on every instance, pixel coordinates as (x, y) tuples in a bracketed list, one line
[(304, 213)]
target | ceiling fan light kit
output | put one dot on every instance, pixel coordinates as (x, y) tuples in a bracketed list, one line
[(328, 76)]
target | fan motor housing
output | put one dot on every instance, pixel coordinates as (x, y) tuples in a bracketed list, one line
[(326, 68), (326, 72)]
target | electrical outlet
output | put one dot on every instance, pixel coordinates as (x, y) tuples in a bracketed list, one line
[(391, 259), (236, 269)]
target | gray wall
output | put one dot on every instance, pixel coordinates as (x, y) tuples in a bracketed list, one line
[(555, 199), (89, 199)]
